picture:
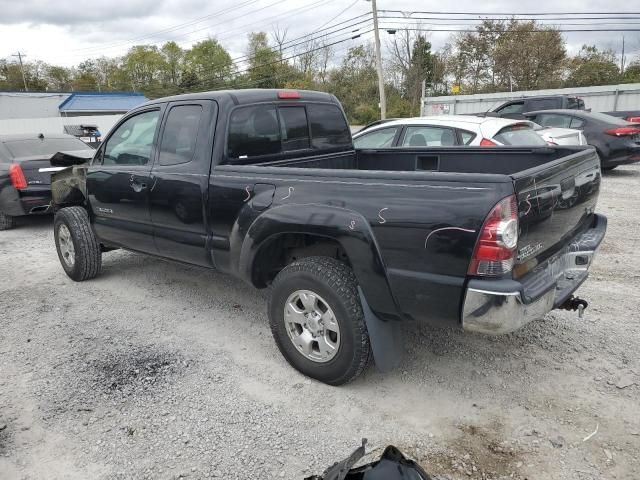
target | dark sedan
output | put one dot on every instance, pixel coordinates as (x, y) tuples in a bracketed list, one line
[(24, 190), (616, 140)]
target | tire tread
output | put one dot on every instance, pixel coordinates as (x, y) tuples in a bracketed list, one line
[(341, 279), (88, 255)]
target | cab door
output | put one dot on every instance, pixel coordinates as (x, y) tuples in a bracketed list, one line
[(119, 181), (180, 179)]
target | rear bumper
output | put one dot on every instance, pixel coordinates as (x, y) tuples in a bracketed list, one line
[(624, 156), (31, 201), (502, 306)]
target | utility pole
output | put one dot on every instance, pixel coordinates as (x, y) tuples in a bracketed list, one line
[(24, 79), (383, 99), (622, 59)]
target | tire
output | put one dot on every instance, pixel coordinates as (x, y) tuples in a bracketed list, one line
[(335, 287), (7, 222), (78, 249)]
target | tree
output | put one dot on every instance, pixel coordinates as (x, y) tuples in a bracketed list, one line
[(355, 83), (143, 66), (211, 63), (412, 63), (60, 78), (593, 67), (264, 63), (10, 76), (85, 76), (529, 56), (174, 58), (632, 72)]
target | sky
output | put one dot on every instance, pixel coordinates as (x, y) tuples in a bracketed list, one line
[(66, 32)]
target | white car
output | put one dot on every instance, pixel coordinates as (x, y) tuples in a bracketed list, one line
[(458, 130)]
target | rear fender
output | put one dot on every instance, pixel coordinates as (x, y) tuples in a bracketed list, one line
[(348, 228), (69, 187)]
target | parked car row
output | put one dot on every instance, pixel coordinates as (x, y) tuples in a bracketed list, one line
[(617, 141), (463, 130)]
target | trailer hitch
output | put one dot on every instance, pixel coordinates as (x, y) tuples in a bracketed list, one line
[(573, 304)]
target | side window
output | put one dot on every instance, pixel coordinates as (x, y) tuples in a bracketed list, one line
[(180, 133), (429, 136), (132, 142), (253, 131), (576, 122), (466, 137), (542, 104), (294, 128), (381, 138), (329, 128), (517, 107), (553, 120)]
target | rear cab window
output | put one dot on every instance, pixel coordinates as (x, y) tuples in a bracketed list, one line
[(519, 135), (271, 129), (542, 104)]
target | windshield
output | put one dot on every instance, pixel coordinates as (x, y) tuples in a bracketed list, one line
[(43, 147), (519, 135)]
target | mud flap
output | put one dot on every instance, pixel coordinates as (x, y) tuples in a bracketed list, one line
[(387, 341)]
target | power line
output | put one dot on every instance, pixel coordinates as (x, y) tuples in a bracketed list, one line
[(232, 32), (306, 40), (511, 14), (561, 30), (252, 83), (333, 18), (279, 61), (170, 29), (479, 23), (519, 19)]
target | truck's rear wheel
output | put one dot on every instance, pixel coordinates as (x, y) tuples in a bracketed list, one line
[(7, 222), (317, 320), (77, 246)]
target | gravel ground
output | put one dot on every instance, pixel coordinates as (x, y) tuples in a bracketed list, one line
[(156, 370)]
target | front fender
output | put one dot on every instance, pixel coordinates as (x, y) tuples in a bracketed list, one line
[(350, 229)]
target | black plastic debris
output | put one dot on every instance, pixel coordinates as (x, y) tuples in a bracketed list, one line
[(392, 465)]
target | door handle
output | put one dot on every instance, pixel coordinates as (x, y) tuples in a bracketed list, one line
[(135, 185)]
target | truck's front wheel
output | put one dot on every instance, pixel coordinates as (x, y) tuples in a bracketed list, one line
[(317, 320), (78, 249)]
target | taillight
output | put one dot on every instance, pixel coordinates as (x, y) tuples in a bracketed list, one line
[(485, 142), (633, 119), (622, 131), (496, 247), (16, 175)]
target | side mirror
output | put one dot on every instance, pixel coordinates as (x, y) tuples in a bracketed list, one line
[(68, 159)]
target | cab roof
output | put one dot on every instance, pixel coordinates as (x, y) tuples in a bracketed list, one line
[(251, 95)]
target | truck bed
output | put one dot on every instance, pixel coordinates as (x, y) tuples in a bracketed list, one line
[(502, 161)]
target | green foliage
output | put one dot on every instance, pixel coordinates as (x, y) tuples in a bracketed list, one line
[(210, 62), (497, 56), (593, 67), (632, 72)]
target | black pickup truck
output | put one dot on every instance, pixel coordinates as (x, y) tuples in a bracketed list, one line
[(266, 185)]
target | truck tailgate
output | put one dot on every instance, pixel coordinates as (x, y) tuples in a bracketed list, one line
[(556, 201)]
